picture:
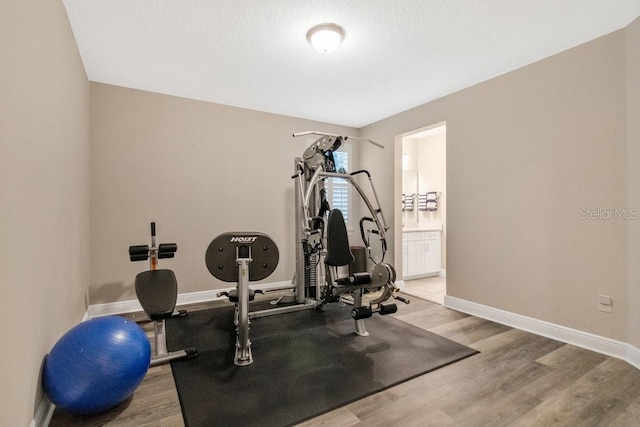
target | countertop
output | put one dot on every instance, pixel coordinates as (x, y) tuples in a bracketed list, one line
[(415, 229)]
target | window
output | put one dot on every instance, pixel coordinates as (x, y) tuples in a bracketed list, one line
[(339, 190)]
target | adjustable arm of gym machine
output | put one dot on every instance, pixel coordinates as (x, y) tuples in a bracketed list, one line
[(365, 239), (313, 132), (376, 213), (375, 196)]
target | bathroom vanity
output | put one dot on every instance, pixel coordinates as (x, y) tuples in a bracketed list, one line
[(421, 252)]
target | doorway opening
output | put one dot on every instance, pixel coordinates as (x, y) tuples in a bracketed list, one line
[(421, 211)]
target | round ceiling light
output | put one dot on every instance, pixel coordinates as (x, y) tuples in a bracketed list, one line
[(325, 38)]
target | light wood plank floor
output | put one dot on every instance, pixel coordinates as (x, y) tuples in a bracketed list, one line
[(432, 289), (518, 379)]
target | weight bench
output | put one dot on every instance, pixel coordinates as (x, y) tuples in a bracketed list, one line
[(157, 292)]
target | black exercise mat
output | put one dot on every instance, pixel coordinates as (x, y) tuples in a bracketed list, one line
[(304, 364)]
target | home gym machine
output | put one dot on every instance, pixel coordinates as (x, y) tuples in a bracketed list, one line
[(322, 248), (157, 291), (322, 239), (241, 258)]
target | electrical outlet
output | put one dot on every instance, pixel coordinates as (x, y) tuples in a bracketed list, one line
[(605, 303)]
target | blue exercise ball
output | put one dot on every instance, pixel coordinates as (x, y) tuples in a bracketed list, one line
[(96, 365)]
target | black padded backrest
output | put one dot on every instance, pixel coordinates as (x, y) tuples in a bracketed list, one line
[(157, 291), (221, 255), (338, 252)]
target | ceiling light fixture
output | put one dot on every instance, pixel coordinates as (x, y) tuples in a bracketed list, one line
[(325, 38)]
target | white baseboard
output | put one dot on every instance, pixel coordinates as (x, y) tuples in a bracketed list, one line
[(597, 343), (443, 273), (132, 306), (43, 414), (633, 355), (112, 308)]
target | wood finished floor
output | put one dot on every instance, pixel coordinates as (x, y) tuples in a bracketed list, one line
[(518, 379)]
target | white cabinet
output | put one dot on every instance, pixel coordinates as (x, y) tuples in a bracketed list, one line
[(421, 253), (416, 257)]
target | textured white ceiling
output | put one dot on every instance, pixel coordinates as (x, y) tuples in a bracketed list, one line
[(397, 54)]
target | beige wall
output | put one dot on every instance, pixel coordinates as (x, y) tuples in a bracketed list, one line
[(44, 201), (197, 169), (633, 176), (526, 152)]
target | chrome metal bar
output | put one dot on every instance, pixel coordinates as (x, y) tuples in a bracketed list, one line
[(159, 360), (161, 338), (361, 329), (301, 223), (382, 227), (308, 304), (313, 132), (243, 345), (307, 196), (375, 195)]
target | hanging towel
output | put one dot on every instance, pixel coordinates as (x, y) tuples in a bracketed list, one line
[(428, 201), (407, 202)]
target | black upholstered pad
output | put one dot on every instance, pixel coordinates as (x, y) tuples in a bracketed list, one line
[(338, 251), (221, 255), (157, 291)]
